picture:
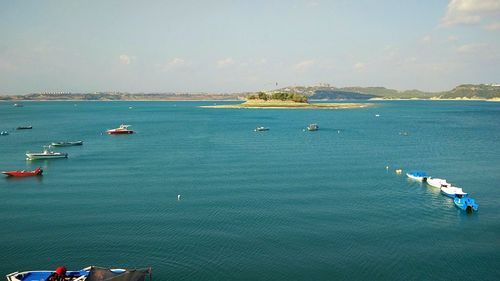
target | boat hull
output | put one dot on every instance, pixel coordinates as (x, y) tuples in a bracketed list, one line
[(437, 182), (36, 156), (44, 275), (70, 143), (416, 177), (453, 192), (37, 172), (128, 132), (466, 204)]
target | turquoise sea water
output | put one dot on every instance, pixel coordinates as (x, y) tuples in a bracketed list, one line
[(278, 205)]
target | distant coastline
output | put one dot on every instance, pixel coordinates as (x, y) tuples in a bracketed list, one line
[(278, 104)]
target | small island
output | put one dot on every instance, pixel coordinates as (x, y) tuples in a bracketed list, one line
[(281, 100)]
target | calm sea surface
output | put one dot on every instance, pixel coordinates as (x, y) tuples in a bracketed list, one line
[(285, 204)]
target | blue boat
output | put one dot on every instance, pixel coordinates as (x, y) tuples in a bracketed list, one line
[(417, 175), (466, 204), (91, 273)]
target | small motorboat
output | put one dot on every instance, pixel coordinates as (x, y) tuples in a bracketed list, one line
[(88, 273), (37, 172), (46, 154), (438, 182), (453, 191), (18, 105), (24, 128), (466, 204), (4, 133), (417, 175), (312, 127), (68, 143), (261, 129), (122, 130)]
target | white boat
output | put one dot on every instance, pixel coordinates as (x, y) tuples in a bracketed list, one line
[(453, 191), (46, 154), (261, 129), (312, 127), (438, 182), (418, 176)]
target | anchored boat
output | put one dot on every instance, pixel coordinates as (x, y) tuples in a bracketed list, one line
[(417, 175), (24, 128), (91, 273), (37, 172), (68, 143), (465, 203), (122, 130), (46, 154), (453, 191), (261, 129), (312, 127), (438, 182)]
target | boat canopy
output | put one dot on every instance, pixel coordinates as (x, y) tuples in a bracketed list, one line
[(419, 174), (106, 274)]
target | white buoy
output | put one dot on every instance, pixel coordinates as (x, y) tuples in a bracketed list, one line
[(387, 167), (178, 197)]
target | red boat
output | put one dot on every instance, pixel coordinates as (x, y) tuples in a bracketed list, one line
[(122, 130), (38, 171)]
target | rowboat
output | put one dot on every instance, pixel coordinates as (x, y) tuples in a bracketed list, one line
[(68, 143), (418, 176), (438, 182), (46, 154), (122, 130), (37, 172), (453, 191), (89, 273)]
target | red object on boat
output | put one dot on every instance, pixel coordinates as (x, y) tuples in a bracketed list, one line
[(36, 172), (61, 270), (122, 130)]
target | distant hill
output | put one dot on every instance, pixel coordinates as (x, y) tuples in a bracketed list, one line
[(106, 96), (466, 91)]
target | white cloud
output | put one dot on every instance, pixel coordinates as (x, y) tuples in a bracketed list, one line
[(470, 48), (426, 39), (303, 65), (493, 26), (125, 59), (359, 66), (225, 62), (469, 11)]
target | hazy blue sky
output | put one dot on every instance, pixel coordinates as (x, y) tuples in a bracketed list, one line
[(227, 46)]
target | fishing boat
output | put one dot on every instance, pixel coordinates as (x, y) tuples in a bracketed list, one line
[(37, 172), (438, 182), (466, 204), (312, 127), (417, 175), (91, 273), (46, 154), (122, 130), (453, 191), (68, 143), (261, 129), (24, 128)]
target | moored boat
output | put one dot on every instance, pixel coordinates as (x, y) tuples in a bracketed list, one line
[(24, 128), (312, 127), (68, 143), (122, 130), (437, 182), (91, 273), (453, 191), (37, 172), (465, 203), (261, 129), (46, 154), (417, 175)]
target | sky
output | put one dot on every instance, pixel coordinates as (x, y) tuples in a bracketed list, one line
[(239, 46)]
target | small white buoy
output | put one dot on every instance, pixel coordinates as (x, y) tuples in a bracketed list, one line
[(178, 197), (377, 115), (387, 167), (399, 171), (338, 131)]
